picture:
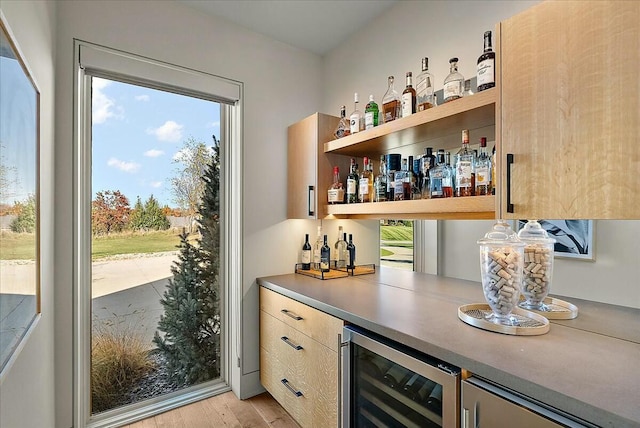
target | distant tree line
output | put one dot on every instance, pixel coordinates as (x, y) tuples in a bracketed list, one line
[(111, 213)]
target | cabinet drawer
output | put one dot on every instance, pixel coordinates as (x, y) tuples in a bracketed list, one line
[(316, 324), (314, 407)]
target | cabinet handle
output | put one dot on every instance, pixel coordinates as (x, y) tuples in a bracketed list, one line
[(286, 340), (311, 203), (509, 163), (294, 391), (291, 315)]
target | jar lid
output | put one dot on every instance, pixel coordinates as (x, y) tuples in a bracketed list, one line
[(533, 231), (500, 234)]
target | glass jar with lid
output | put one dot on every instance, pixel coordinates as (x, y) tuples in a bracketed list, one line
[(501, 265), (538, 265)]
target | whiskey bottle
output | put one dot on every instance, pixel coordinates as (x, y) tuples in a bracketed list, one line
[(424, 87), (486, 65), (343, 128), (408, 97), (365, 188), (317, 246), (453, 83), (371, 113), (325, 256), (391, 103), (399, 182), (351, 253), (341, 249), (483, 170), (352, 183), (465, 171), (416, 184), (381, 182), (306, 253), (356, 119), (335, 194)]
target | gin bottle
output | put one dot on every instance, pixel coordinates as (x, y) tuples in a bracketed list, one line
[(371, 114), (454, 82)]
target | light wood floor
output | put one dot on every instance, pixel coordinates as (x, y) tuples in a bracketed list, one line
[(224, 410)]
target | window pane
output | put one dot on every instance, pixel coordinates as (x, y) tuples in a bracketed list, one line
[(396, 244)]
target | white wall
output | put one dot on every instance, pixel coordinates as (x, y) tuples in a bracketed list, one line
[(394, 44), (27, 389)]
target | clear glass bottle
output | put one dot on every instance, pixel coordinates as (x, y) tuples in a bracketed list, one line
[(343, 128), (467, 88), (424, 87), (381, 182), (365, 189), (428, 161), (449, 178), (391, 103), (305, 256), (486, 65), (335, 194), (356, 119), (453, 83), (537, 265), (465, 168), (325, 256), (341, 249), (436, 175), (399, 182), (483, 170), (408, 97), (416, 185), (371, 113), (352, 183), (317, 246), (394, 164)]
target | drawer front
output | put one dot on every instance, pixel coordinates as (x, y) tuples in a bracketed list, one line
[(316, 324)]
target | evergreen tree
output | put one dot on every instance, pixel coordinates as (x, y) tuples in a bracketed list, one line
[(148, 216), (191, 321)]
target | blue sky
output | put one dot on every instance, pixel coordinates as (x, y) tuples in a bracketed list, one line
[(137, 134)]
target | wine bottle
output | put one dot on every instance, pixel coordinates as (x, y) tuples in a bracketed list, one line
[(412, 386), (434, 401), (351, 253), (422, 394), (376, 366), (396, 376), (486, 65), (306, 253), (341, 249), (317, 246), (325, 256)]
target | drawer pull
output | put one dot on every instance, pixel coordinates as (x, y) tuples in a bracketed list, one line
[(294, 391), (291, 315), (286, 340)]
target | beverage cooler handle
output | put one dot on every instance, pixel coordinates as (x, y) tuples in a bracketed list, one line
[(311, 201), (509, 163), (341, 345)]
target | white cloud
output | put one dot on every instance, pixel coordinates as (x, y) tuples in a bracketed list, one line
[(170, 131), (153, 153), (103, 107), (215, 124), (142, 97), (180, 155), (123, 166), (155, 184)]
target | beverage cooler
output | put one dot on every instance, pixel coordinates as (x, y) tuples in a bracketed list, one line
[(386, 384)]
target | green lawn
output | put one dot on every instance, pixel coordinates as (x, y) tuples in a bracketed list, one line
[(384, 253), (396, 233), (17, 246), (129, 243)]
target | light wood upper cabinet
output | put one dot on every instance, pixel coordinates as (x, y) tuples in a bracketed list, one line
[(570, 110)]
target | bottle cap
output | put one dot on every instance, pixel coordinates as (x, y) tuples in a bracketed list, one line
[(355, 97), (336, 170), (452, 60), (483, 142), (371, 98), (425, 63)]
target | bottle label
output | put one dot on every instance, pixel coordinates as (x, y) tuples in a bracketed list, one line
[(368, 120), (335, 196), (354, 123), (407, 108), (351, 186), (306, 256), (398, 189), (486, 73), (463, 174), (364, 187), (390, 110), (452, 89), (482, 176)]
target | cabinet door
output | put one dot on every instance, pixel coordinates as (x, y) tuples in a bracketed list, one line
[(302, 156), (570, 111)]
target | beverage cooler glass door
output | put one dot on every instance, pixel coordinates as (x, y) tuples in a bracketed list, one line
[(386, 384)]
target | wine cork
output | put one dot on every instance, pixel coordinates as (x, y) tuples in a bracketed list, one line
[(537, 272), (501, 279)]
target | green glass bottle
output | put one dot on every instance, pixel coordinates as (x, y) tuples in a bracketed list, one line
[(371, 113)]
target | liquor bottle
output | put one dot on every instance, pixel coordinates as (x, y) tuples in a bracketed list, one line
[(467, 88), (428, 161), (434, 401), (424, 87), (325, 256), (381, 182), (343, 128), (416, 184), (365, 189), (352, 183), (493, 170), (341, 249), (486, 65), (465, 168), (440, 178), (335, 194), (356, 119), (317, 246), (409, 179), (396, 376), (306, 253), (391, 103), (409, 97), (453, 83), (483, 170), (399, 182), (449, 178), (351, 253), (371, 113)]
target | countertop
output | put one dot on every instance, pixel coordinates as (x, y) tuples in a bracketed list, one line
[(588, 367)]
